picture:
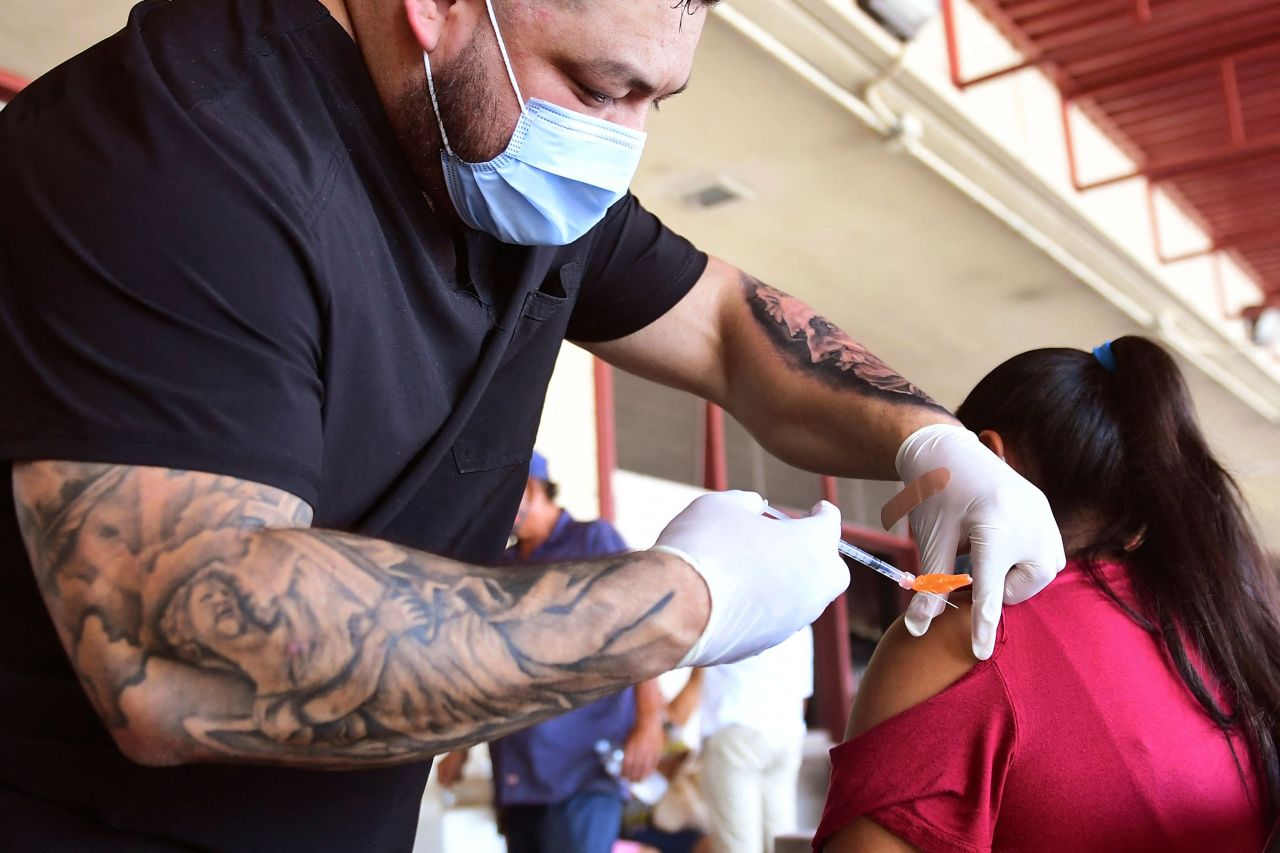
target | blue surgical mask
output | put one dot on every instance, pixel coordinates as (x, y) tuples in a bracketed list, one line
[(557, 178)]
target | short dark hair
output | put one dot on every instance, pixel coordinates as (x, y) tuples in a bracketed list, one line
[(551, 488)]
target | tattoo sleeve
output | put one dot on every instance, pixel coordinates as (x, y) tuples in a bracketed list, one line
[(812, 344), (207, 621)]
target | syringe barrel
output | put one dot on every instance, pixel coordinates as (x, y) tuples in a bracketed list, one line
[(853, 552)]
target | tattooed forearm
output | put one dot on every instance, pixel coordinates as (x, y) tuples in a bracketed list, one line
[(207, 622), (811, 343)]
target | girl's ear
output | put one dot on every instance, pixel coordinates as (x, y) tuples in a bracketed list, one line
[(1136, 540), (993, 441)]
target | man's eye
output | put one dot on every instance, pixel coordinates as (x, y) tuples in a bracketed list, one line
[(600, 98)]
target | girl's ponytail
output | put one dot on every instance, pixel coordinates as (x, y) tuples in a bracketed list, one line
[(1206, 583)]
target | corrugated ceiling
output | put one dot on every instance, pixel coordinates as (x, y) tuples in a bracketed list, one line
[(1189, 89)]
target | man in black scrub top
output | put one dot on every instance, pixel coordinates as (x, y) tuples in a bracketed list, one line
[(281, 284)]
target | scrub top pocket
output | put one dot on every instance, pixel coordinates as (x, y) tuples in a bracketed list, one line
[(502, 429)]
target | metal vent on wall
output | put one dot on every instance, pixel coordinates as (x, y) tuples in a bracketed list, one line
[(717, 193)]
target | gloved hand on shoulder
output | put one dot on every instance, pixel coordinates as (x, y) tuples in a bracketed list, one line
[(1015, 545)]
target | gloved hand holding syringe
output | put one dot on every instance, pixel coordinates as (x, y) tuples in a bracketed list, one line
[(931, 584)]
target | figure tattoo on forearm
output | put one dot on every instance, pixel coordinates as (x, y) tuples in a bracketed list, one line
[(811, 343), (307, 645)]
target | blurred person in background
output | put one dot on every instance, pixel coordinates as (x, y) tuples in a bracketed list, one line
[(552, 791), (1132, 706), (753, 728), (677, 823)]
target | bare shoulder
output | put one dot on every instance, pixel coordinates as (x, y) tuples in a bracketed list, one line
[(907, 670), (866, 836)]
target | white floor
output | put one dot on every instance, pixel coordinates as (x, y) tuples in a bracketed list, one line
[(460, 820), (472, 829)]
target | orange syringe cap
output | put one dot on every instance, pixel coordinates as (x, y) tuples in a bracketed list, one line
[(940, 584)]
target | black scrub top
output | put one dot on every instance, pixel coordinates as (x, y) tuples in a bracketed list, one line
[(214, 257)]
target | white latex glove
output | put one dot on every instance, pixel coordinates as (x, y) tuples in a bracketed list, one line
[(1016, 548), (767, 578)]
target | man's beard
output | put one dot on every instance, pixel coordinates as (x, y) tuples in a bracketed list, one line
[(467, 91)]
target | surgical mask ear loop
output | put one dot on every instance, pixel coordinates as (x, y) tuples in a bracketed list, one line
[(506, 61), (435, 104), (502, 48)]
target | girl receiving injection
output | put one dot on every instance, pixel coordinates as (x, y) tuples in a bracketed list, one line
[(1130, 706)]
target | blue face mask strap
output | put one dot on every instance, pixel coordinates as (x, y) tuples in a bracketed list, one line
[(1105, 356)]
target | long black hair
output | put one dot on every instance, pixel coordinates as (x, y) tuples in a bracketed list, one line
[(1116, 447)]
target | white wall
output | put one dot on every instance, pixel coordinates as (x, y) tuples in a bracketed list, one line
[(567, 435), (645, 504)]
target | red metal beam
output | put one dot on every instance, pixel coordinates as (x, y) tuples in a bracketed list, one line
[(1144, 75), (1208, 158), (833, 668), (1157, 242), (1066, 24), (832, 656), (1091, 40), (1231, 95), (606, 438), (1069, 142), (1220, 286), (1213, 249), (830, 491), (10, 85), (1111, 36), (715, 467), (1264, 146), (953, 54)]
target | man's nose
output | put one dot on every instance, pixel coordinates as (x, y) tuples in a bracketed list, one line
[(633, 116)]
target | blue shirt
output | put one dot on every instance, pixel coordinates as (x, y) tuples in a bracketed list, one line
[(555, 759)]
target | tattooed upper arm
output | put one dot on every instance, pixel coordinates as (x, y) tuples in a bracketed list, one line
[(806, 390), (813, 344), (207, 621), (692, 346)]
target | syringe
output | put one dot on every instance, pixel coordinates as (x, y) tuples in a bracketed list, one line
[(930, 584)]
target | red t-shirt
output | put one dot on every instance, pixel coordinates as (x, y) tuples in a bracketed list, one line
[(1077, 734)]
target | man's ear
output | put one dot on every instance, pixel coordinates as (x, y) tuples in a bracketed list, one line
[(993, 441), (426, 20)]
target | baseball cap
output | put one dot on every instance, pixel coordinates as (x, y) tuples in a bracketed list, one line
[(538, 467)]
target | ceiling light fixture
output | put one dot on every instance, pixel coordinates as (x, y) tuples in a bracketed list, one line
[(903, 18), (1262, 322)]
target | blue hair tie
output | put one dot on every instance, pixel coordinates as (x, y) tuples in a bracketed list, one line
[(1105, 356)]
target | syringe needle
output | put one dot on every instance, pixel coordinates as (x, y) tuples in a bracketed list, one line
[(906, 580)]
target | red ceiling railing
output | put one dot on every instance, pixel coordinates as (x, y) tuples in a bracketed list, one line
[(606, 438), (10, 85), (1188, 90)]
